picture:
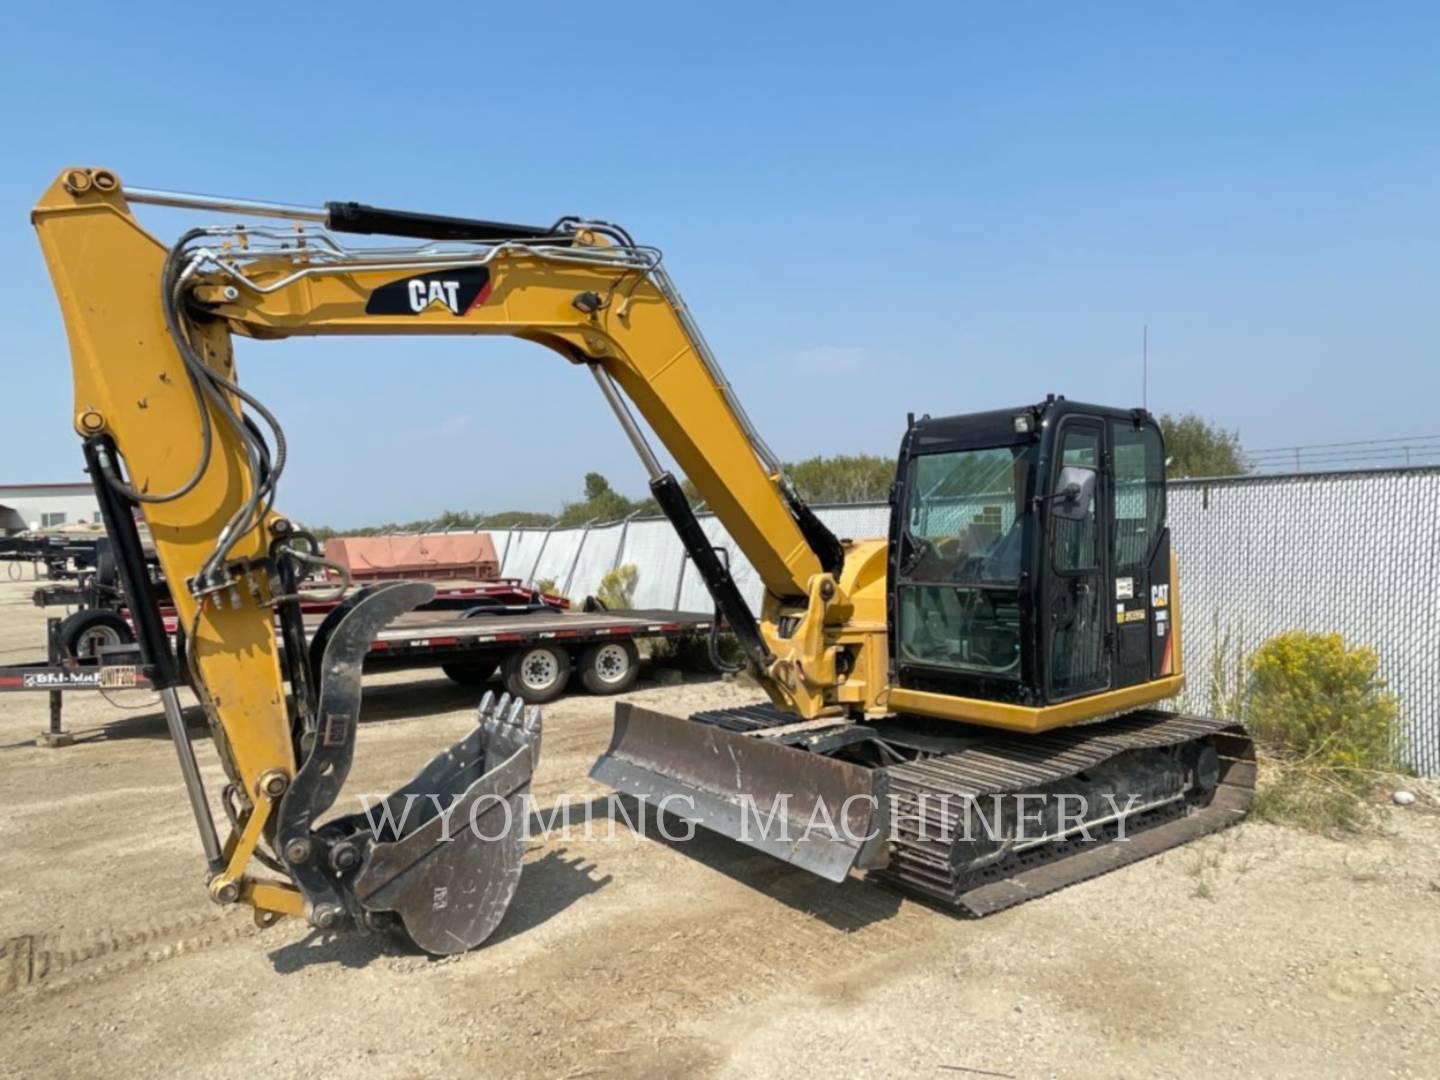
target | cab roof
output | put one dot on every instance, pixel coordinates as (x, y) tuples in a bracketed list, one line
[(997, 427)]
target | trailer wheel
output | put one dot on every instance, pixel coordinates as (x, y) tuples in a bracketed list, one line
[(472, 672), (82, 632), (537, 674), (107, 571), (610, 668)]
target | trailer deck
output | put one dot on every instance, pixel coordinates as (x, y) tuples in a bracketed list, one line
[(420, 633)]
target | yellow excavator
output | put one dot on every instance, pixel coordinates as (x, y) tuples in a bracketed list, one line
[(966, 709)]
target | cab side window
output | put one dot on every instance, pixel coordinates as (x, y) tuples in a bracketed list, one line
[(1139, 493), (1077, 539)]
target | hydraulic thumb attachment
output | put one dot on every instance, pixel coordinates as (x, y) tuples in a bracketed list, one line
[(442, 855)]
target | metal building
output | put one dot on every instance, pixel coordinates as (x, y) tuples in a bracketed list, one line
[(46, 506)]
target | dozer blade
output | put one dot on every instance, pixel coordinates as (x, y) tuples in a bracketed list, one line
[(444, 852), (819, 813)]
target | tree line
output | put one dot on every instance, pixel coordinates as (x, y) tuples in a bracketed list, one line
[(1194, 447)]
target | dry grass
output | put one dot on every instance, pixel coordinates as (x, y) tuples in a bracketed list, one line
[(1313, 794)]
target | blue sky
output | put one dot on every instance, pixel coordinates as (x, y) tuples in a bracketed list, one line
[(870, 208)]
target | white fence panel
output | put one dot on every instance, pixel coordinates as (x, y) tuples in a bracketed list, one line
[(596, 558), (525, 548), (558, 556), (862, 521), (1354, 553), (653, 548)]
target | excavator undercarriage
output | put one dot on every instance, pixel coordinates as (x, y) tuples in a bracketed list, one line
[(971, 819)]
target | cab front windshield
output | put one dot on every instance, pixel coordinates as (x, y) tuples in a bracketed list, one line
[(961, 558), (963, 522)]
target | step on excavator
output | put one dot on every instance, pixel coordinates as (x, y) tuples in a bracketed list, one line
[(968, 709)]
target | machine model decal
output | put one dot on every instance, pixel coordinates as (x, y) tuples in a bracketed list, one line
[(456, 291)]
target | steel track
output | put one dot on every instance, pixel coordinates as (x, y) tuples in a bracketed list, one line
[(926, 864)]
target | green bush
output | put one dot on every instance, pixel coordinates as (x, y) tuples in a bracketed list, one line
[(617, 588), (1312, 698)]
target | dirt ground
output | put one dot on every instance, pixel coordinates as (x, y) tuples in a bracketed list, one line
[(1261, 951)]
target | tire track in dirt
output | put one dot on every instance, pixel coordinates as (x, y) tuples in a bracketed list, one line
[(43, 962)]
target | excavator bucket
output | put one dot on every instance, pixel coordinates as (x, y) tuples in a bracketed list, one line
[(819, 813), (446, 849), (442, 855)]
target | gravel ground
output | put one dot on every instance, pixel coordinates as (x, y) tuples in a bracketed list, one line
[(1261, 951)]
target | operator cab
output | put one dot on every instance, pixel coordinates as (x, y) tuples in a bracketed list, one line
[(1029, 559)]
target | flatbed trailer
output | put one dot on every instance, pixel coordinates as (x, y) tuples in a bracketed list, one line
[(416, 633), (537, 653), (101, 617)]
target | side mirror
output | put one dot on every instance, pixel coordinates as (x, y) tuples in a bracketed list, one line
[(1075, 493)]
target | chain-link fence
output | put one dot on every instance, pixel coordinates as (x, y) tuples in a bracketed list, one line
[(1353, 552), (1356, 553)]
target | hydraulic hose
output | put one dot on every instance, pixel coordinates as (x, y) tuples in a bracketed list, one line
[(712, 639), (212, 388), (712, 643), (172, 323)]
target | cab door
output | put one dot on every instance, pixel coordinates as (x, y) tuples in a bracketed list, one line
[(1140, 551), (1076, 621)]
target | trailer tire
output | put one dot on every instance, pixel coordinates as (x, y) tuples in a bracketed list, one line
[(610, 667), (107, 570), (538, 673), (82, 631), (472, 672)]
